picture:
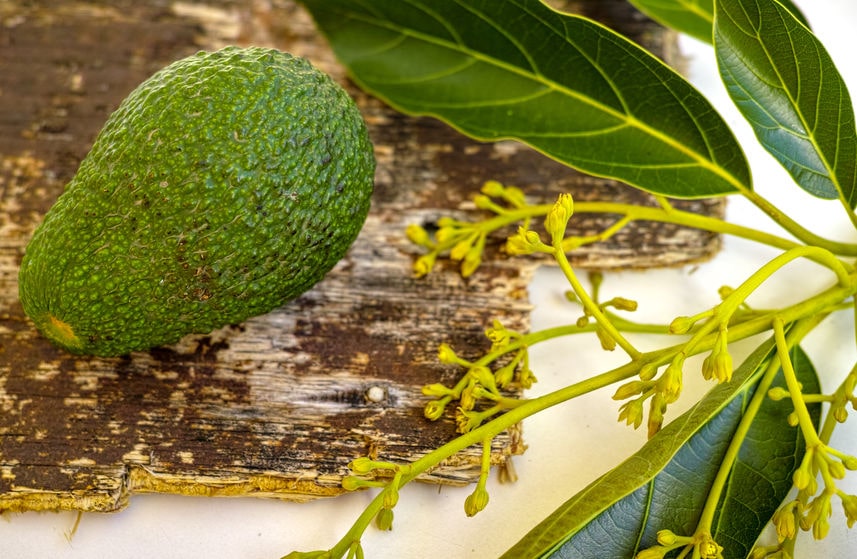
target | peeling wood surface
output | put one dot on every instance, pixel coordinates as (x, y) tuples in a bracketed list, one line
[(277, 406)]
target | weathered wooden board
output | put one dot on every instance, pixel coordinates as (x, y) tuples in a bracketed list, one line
[(276, 406)]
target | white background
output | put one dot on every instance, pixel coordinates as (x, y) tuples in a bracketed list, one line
[(568, 446)]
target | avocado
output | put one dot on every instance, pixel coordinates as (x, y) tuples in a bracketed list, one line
[(223, 186)]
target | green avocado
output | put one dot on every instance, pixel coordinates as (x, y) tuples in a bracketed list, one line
[(225, 185)]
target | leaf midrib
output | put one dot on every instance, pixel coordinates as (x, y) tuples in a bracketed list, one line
[(539, 78), (809, 135)]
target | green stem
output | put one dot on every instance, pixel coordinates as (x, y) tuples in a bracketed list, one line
[(830, 421), (591, 306), (572, 243), (795, 391), (819, 255), (796, 229), (849, 211), (726, 309), (809, 307), (800, 329), (478, 435), (678, 217)]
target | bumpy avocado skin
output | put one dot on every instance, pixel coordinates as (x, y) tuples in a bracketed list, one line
[(223, 186)]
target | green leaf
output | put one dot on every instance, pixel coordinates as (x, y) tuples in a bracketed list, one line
[(564, 84), (786, 85), (665, 484), (693, 17), (790, 6), (762, 475)]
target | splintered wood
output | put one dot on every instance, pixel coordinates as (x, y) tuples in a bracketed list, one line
[(279, 405)]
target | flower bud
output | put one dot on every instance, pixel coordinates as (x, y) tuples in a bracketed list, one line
[(498, 334), (657, 407), (792, 419), (820, 528), (483, 202), (515, 196), (784, 522), (493, 188), (467, 420), (801, 478), (434, 410), (362, 465), (525, 242), (476, 501), (472, 260), (485, 377), (631, 413), (849, 505), (391, 496), (670, 383), (648, 371), (623, 304), (424, 264), (654, 552), (557, 219), (631, 388), (778, 393), (417, 235), (444, 234), (467, 400), (445, 354), (709, 549), (504, 375), (608, 343), (353, 483), (526, 378), (666, 537), (722, 366), (384, 519), (836, 469), (459, 250), (681, 325)]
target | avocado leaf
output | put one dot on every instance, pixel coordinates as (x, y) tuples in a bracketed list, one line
[(784, 82), (694, 17), (666, 483), (564, 84)]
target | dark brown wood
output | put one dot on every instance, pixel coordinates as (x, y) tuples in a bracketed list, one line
[(276, 406)]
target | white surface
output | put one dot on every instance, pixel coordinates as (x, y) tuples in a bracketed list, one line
[(568, 446)]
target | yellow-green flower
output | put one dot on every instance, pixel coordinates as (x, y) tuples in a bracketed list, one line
[(493, 188), (525, 242), (434, 410), (670, 383), (424, 264), (384, 519), (631, 412), (785, 522), (476, 501), (557, 219), (417, 235)]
